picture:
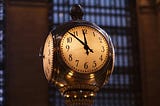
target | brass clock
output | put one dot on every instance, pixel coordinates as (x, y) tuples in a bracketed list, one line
[(78, 58)]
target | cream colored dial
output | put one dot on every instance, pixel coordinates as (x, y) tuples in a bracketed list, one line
[(48, 57), (84, 49)]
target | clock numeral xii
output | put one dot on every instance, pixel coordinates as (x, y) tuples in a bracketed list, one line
[(85, 31)]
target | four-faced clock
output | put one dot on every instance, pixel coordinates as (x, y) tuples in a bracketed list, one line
[(78, 58), (84, 49)]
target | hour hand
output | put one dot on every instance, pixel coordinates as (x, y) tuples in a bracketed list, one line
[(85, 41), (86, 47)]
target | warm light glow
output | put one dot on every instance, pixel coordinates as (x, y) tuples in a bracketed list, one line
[(70, 73), (91, 76), (91, 94), (85, 96), (67, 96), (61, 85), (75, 96)]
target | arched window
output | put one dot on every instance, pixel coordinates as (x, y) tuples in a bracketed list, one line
[(118, 18)]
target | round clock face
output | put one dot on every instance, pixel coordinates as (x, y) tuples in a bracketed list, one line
[(84, 49), (48, 57)]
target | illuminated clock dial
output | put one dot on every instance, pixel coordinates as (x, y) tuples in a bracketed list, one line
[(84, 49), (48, 57)]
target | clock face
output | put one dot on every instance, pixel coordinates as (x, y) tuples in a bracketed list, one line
[(84, 49), (48, 57)]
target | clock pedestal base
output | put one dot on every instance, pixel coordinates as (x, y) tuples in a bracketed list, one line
[(79, 98), (79, 95)]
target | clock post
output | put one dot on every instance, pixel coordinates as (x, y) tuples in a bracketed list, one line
[(78, 58)]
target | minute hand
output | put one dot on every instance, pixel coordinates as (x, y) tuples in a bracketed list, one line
[(81, 42), (77, 38)]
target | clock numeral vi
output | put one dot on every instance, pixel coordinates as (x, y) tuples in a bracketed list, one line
[(86, 65)]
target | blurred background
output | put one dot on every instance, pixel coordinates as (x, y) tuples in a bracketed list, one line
[(134, 26)]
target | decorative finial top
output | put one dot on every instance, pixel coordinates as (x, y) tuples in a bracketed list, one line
[(76, 12)]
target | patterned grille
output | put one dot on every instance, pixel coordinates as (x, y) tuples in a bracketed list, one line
[(1, 53)]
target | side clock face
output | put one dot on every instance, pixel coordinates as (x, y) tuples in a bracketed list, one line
[(84, 49), (48, 57)]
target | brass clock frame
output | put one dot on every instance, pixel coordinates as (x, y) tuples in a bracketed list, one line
[(78, 88)]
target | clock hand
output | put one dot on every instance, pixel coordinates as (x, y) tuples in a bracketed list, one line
[(85, 41), (77, 38), (86, 47)]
